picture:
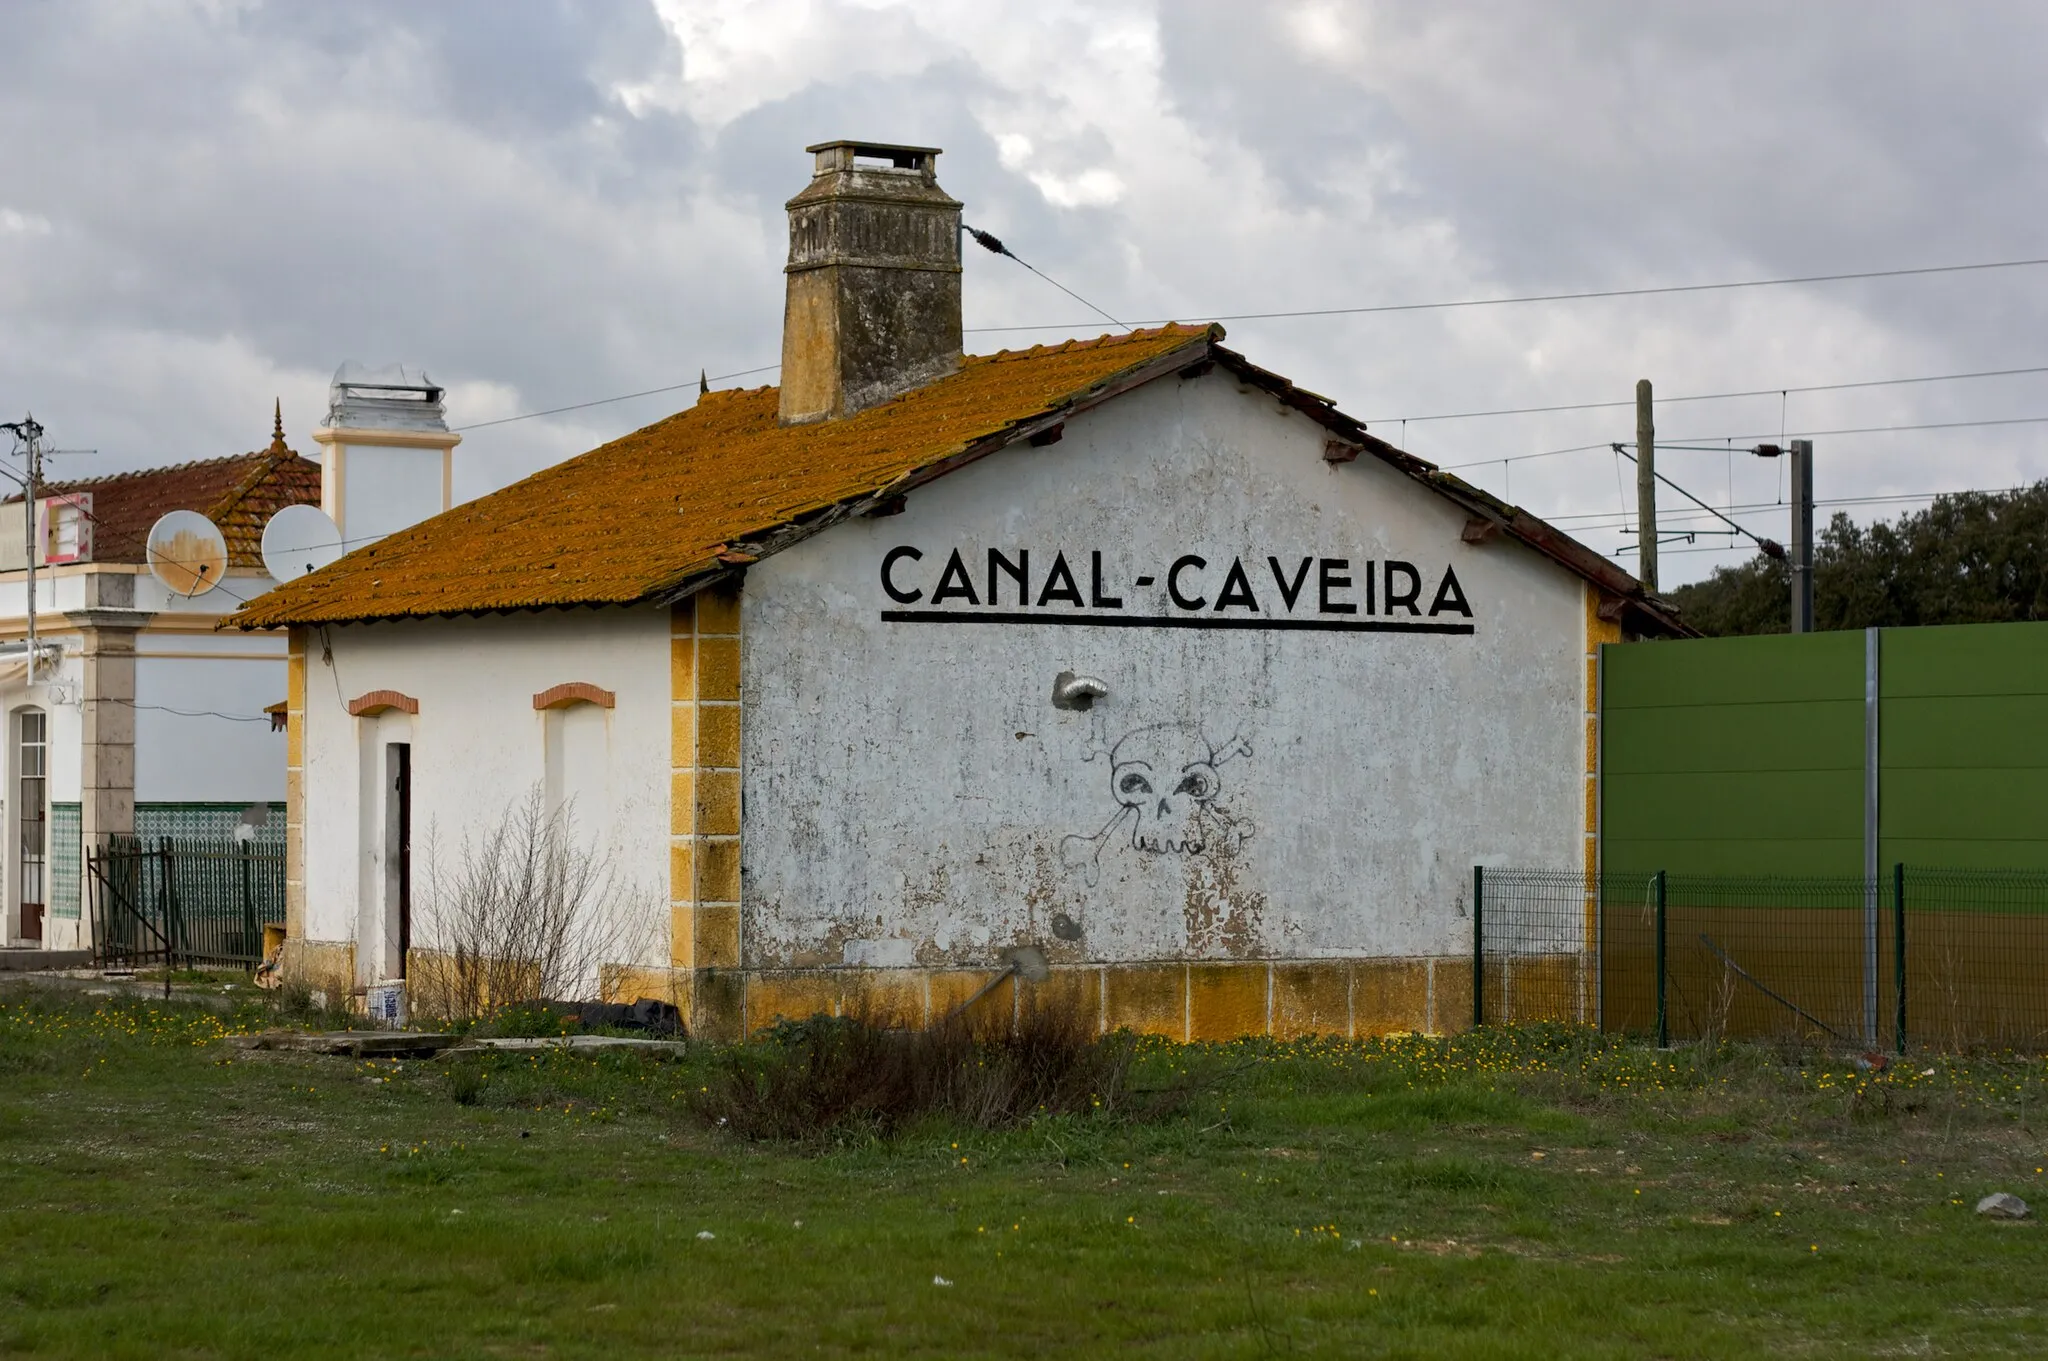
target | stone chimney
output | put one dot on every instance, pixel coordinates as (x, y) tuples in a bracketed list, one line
[(873, 304)]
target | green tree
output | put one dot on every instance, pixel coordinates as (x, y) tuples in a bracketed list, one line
[(1970, 558)]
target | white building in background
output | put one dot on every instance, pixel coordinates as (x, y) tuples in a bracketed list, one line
[(1127, 651), (141, 716)]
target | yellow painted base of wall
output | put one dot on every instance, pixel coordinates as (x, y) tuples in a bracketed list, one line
[(1182, 1001), (327, 966), (631, 982)]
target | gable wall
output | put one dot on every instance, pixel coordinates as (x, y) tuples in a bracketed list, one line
[(912, 796)]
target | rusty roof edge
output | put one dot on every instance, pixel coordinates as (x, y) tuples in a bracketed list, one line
[(1567, 552), (792, 532), (1537, 533), (235, 622)]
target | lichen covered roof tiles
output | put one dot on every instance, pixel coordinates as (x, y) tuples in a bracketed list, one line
[(649, 512)]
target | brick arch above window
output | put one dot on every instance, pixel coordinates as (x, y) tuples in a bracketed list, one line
[(377, 701), (575, 692)]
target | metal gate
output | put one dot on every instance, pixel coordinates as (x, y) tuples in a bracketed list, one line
[(183, 901)]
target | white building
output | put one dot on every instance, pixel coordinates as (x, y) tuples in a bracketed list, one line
[(142, 718), (1127, 650)]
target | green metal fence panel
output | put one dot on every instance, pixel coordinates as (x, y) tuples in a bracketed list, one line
[(1963, 746), (189, 901), (1731, 755), (65, 867)]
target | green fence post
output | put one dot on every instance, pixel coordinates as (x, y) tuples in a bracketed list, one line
[(1478, 947), (252, 936), (1663, 1020), (174, 908), (1899, 949)]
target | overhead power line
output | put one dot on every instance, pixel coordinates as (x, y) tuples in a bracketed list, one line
[(622, 397), (1588, 295), (1524, 458), (992, 243), (1709, 396), (1700, 443), (1587, 521), (996, 244), (1852, 430), (1769, 546), (988, 241)]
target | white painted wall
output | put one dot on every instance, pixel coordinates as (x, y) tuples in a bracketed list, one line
[(478, 746), (63, 588), (180, 757), (912, 793), (388, 488), (54, 685)]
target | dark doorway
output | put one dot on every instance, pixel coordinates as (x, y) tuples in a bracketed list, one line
[(398, 829)]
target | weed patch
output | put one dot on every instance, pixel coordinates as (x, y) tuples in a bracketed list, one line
[(834, 1077)]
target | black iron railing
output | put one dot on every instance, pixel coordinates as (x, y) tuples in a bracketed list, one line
[(183, 902)]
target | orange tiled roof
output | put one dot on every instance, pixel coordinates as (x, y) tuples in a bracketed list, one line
[(239, 493), (654, 514), (647, 513)]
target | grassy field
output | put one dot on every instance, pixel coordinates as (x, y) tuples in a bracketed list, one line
[(1516, 1193)]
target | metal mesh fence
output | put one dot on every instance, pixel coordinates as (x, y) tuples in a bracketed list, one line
[(1535, 945), (1934, 957), (1975, 946)]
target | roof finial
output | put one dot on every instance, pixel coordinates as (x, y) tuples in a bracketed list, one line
[(703, 384), (277, 425)]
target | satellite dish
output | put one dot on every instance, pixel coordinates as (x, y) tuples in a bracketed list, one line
[(298, 540), (187, 553)]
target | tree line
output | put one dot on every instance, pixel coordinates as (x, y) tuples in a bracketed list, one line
[(1969, 558)]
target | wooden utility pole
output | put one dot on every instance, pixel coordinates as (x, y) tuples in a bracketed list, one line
[(1646, 487)]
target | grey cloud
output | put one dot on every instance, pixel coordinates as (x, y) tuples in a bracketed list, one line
[(240, 196)]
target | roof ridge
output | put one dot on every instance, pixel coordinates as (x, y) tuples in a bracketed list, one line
[(77, 483), (267, 465), (1186, 329)]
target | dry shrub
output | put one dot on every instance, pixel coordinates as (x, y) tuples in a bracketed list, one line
[(835, 1076), (527, 910)]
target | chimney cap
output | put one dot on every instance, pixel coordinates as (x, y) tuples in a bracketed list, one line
[(394, 397), (840, 154)]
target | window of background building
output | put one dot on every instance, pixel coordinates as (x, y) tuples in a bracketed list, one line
[(32, 814)]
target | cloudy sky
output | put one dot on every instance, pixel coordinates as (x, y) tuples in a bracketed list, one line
[(207, 204)]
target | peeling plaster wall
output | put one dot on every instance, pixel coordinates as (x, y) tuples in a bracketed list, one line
[(478, 745), (911, 794)]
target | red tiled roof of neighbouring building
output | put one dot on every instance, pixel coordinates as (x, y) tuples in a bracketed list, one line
[(239, 493)]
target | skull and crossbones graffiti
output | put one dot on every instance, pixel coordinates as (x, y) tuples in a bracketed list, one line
[(1167, 783)]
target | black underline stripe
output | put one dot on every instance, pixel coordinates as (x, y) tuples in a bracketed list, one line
[(1170, 621)]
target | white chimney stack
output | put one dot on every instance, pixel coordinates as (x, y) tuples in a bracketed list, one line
[(387, 457)]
